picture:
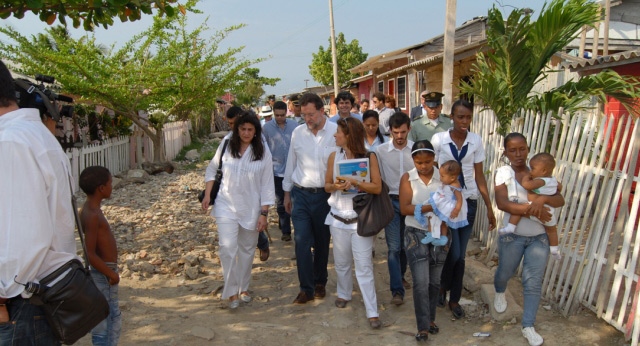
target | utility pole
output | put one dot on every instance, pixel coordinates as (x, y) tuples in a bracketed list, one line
[(447, 59), (306, 83), (334, 55)]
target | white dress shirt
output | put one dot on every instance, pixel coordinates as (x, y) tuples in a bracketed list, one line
[(475, 154), (246, 185), (383, 115), (308, 156), (394, 163), (36, 217)]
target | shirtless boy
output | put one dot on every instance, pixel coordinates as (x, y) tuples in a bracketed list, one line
[(102, 251)]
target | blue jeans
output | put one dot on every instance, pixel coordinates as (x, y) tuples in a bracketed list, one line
[(107, 332), (426, 262), (308, 215), (284, 219), (535, 250), (453, 271), (396, 257), (27, 325)]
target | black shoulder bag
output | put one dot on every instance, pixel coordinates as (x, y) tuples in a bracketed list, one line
[(217, 180), (72, 305), (375, 212)]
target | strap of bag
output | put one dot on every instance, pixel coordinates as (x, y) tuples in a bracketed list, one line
[(224, 148), (79, 224)]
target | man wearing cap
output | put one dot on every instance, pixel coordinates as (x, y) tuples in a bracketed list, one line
[(271, 100), (297, 110), (266, 114), (426, 118), (344, 102)]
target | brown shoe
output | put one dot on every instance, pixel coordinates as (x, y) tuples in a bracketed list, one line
[(397, 299), (375, 323), (341, 303), (302, 298), (406, 284), (264, 254), (320, 291)]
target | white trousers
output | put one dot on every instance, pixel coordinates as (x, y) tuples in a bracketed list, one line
[(348, 245), (236, 251)]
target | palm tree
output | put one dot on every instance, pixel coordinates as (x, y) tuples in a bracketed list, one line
[(520, 50)]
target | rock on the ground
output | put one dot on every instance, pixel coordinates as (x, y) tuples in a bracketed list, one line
[(513, 309), (137, 176), (154, 168), (203, 332), (191, 272), (192, 155), (475, 275), (118, 183)]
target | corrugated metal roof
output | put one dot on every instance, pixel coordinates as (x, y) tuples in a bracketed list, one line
[(432, 59), (366, 65), (603, 60)]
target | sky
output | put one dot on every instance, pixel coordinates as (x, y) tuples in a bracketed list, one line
[(287, 32)]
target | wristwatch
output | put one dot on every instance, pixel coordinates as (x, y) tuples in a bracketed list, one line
[(264, 212)]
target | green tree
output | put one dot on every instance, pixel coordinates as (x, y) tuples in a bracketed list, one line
[(166, 71), (520, 51), (251, 86), (349, 55), (89, 13)]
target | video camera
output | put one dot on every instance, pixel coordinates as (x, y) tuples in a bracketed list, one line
[(32, 95)]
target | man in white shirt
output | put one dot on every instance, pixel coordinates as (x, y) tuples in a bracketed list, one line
[(344, 102), (395, 159), (305, 198), (384, 113), (278, 135), (36, 216)]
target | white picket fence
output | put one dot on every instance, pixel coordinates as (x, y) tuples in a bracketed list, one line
[(112, 154), (598, 231), (116, 153)]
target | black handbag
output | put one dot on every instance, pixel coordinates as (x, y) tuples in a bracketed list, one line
[(72, 305), (217, 180), (375, 212)]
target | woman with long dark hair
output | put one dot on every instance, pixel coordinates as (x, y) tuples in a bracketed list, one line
[(348, 246), (242, 204)]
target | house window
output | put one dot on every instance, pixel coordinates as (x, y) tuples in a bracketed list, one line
[(381, 86), (402, 92)]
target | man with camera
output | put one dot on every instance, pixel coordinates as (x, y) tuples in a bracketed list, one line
[(36, 216)]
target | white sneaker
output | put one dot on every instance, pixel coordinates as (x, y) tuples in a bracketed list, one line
[(500, 302), (534, 338)]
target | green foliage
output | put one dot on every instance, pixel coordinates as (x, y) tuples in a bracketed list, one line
[(89, 13), (250, 86), (349, 55), (520, 51), (165, 68)]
